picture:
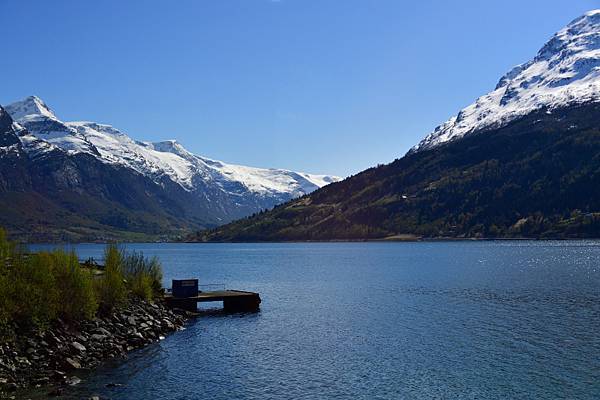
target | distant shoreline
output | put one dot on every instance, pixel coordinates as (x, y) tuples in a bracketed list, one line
[(385, 240), (382, 240)]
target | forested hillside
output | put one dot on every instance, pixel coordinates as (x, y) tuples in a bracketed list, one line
[(538, 176)]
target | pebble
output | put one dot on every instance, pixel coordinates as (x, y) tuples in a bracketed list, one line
[(78, 346), (73, 363), (60, 348), (72, 381)]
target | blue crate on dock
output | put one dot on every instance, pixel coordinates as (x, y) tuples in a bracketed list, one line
[(185, 288)]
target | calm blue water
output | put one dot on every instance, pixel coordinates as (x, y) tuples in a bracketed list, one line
[(462, 320)]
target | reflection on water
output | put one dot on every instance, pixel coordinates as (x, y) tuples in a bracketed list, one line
[(459, 320)]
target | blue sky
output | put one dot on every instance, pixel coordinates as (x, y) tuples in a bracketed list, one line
[(313, 85)]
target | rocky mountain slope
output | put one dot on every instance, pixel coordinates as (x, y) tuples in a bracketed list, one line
[(89, 181), (522, 161)]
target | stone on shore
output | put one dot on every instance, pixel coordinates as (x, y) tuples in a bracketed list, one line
[(78, 346), (40, 358)]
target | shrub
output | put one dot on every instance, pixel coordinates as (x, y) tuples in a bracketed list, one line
[(144, 276), (35, 295), (5, 305), (6, 289), (36, 289), (6, 248), (28, 294), (111, 288), (77, 298)]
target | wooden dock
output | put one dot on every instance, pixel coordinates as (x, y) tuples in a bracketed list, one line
[(233, 300)]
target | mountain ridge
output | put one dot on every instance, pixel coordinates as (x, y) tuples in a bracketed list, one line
[(533, 178), (522, 161), (84, 181), (153, 159)]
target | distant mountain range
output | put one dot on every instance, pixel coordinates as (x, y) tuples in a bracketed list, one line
[(78, 181), (522, 161)]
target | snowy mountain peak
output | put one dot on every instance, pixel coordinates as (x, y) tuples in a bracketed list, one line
[(30, 107), (168, 146), (565, 71), (582, 34), (161, 161)]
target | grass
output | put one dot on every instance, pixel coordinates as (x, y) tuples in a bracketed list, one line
[(37, 289)]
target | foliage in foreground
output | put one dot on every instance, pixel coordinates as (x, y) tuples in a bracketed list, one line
[(37, 289), (144, 275)]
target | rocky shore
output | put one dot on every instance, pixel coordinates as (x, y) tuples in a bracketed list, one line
[(53, 358)]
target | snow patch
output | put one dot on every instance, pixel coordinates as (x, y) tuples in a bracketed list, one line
[(565, 72)]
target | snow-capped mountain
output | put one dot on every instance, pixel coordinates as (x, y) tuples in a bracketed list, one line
[(251, 188), (565, 72)]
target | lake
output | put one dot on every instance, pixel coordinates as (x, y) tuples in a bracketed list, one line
[(427, 320)]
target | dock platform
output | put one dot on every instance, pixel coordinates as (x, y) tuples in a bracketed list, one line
[(233, 300)]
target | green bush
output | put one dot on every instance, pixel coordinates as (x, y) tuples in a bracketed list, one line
[(144, 276), (35, 294), (6, 248), (76, 295), (6, 289), (111, 288), (5, 305), (36, 289), (127, 274)]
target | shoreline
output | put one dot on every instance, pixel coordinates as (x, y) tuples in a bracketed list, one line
[(375, 240), (394, 240), (53, 359)]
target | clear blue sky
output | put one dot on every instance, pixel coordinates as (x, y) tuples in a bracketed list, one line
[(313, 85)]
